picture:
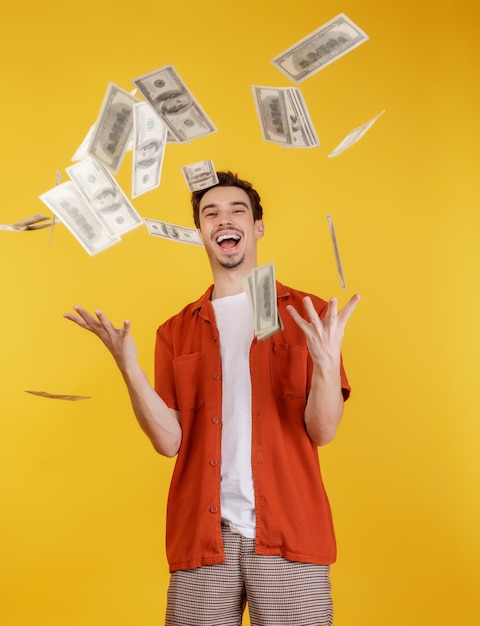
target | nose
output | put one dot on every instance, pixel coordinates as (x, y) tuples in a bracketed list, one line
[(225, 218)]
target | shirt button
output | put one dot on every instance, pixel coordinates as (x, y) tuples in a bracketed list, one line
[(216, 376), (213, 463), (215, 420), (213, 509)]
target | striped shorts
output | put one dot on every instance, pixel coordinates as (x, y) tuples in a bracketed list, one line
[(278, 592)]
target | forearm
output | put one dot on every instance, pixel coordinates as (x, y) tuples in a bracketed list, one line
[(160, 423), (324, 408)]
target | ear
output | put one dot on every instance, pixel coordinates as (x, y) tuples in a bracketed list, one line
[(259, 229)]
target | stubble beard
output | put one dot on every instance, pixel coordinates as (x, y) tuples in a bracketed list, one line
[(232, 264)]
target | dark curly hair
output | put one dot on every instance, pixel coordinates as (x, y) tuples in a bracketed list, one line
[(228, 179)]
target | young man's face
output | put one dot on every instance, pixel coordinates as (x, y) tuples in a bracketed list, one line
[(227, 228)]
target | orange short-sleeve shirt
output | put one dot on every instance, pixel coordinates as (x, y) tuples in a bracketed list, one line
[(293, 517)]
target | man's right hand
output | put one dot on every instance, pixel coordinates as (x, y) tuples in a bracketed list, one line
[(118, 340)]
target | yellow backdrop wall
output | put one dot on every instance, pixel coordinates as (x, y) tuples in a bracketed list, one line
[(83, 493)]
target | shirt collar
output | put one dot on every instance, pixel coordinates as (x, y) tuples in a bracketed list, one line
[(202, 302)]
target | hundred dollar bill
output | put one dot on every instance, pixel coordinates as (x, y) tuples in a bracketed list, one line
[(283, 117), (173, 232), (57, 396), (150, 135), (34, 222), (322, 47), (303, 131), (336, 251), (68, 204), (173, 101), (354, 135), (200, 175), (58, 180), (113, 130), (82, 151), (261, 289), (104, 196)]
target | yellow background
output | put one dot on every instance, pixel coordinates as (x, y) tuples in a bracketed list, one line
[(82, 491)]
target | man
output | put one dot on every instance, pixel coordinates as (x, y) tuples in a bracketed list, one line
[(248, 518)]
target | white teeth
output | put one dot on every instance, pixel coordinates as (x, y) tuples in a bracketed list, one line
[(223, 237)]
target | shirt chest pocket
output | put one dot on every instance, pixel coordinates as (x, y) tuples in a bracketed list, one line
[(190, 373), (289, 371)]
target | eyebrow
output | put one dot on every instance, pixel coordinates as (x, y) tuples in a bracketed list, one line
[(213, 205)]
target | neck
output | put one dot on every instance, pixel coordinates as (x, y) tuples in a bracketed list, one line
[(229, 282)]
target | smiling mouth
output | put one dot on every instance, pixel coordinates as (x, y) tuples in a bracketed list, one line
[(227, 242)]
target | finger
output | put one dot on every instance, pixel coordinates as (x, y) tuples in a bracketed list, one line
[(83, 317), (76, 319), (103, 319), (332, 309), (312, 314), (349, 307), (297, 318), (126, 328)]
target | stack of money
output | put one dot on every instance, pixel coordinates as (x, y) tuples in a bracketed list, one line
[(283, 116), (261, 290)]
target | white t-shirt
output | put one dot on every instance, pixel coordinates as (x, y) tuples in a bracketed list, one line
[(235, 323)]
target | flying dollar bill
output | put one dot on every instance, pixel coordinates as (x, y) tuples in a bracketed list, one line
[(261, 289), (354, 135), (150, 135), (57, 396), (104, 196), (284, 117), (34, 222), (111, 134), (200, 175), (181, 234), (68, 204), (173, 101), (82, 151), (322, 47), (336, 251)]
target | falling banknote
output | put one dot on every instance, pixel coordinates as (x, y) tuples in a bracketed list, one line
[(111, 135), (200, 175), (181, 234), (172, 100), (336, 251), (353, 136), (283, 117), (69, 205), (322, 47), (261, 289), (104, 196), (57, 396), (34, 222), (150, 137)]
